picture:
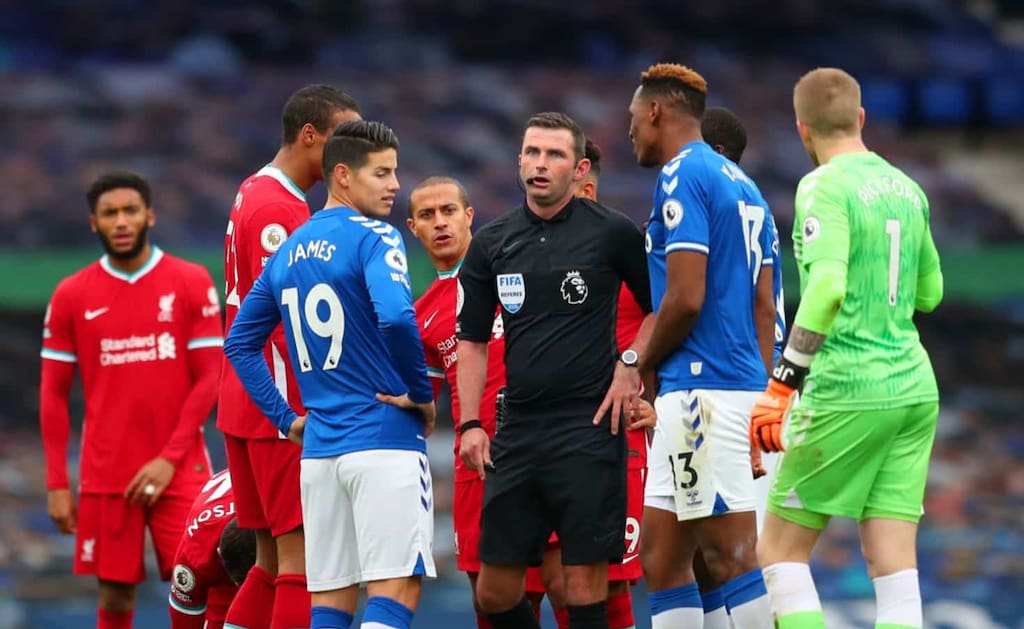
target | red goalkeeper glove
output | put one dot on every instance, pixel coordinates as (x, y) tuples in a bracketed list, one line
[(767, 415)]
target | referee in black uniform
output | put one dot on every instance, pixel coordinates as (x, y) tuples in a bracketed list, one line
[(554, 265)]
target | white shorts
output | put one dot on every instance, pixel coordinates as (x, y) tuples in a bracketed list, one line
[(771, 462), (368, 516), (699, 465)]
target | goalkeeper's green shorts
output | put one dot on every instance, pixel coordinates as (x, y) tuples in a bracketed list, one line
[(854, 464)]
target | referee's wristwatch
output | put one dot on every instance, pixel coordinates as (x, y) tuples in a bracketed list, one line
[(629, 358)]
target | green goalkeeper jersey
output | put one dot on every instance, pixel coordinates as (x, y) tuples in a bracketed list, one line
[(867, 214)]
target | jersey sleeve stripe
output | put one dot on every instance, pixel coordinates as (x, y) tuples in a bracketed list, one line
[(190, 611), (768, 262), (687, 246), (206, 341), (64, 357), (434, 372)]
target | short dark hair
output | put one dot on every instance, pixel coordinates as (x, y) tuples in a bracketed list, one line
[(593, 152), (118, 179), (315, 105), (439, 180), (558, 120), (353, 141), (678, 85), (237, 551), (721, 127)]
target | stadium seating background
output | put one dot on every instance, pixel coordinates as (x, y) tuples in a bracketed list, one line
[(190, 95)]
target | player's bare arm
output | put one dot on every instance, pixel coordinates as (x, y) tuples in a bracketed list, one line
[(622, 394), (471, 373), (684, 296), (426, 410)]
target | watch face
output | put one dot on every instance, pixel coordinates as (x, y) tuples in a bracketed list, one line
[(629, 357)]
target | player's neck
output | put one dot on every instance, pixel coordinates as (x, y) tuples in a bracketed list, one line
[(445, 266), (131, 265), (293, 164), (825, 150), (676, 138), (547, 212)]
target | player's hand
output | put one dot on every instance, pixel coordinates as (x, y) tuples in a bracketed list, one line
[(427, 410), (475, 451), (149, 482), (756, 465), (643, 416), (767, 415), (297, 430), (621, 397), (60, 504)]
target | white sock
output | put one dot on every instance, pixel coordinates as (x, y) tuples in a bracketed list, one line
[(689, 617), (790, 588), (898, 599), (716, 619)]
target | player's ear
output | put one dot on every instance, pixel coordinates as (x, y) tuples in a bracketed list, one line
[(582, 169), (150, 217), (860, 118), (342, 174), (308, 134), (653, 111), (92, 222), (470, 212)]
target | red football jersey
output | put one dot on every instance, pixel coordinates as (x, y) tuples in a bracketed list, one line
[(435, 312), (627, 324), (268, 207), (130, 335), (199, 577)]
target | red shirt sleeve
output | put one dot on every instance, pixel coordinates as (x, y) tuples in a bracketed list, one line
[(58, 372)]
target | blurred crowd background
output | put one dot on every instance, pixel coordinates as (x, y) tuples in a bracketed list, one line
[(190, 94)]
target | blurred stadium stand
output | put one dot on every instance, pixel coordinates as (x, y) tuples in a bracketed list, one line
[(190, 94)]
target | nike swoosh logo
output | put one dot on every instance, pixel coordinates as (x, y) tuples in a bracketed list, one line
[(426, 323), (630, 558), (92, 314), (510, 247)]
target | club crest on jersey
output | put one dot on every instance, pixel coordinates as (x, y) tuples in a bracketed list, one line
[(396, 260), (574, 290), (511, 291), (184, 580), (272, 237), (672, 213), (166, 304), (812, 229)]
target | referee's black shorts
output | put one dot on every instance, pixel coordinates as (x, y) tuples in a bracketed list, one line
[(580, 495)]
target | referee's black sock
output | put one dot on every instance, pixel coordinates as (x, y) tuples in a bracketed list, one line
[(593, 616), (519, 617)]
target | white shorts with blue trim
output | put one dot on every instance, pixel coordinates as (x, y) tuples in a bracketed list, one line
[(368, 516), (699, 463)]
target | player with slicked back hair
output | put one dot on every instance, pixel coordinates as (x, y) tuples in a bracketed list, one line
[(269, 206), (710, 257), (341, 286), (858, 440)]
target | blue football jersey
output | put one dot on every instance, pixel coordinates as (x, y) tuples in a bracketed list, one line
[(340, 284), (703, 202)]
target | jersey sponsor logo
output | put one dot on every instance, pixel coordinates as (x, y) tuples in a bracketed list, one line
[(672, 213), (272, 237), (812, 229), (166, 305), (183, 578), (137, 349), (213, 309), (89, 314), (511, 291), (429, 320), (574, 289), (88, 550)]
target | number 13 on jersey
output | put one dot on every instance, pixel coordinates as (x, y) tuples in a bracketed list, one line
[(322, 314)]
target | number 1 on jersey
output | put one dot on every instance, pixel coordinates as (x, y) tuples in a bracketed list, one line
[(333, 327), (892, 227)]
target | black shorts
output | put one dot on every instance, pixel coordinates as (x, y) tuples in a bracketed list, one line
[(579, 495)]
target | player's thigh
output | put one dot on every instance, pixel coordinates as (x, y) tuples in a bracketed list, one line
[(630, 568), (898, 490), (332, 556), (830, 465), (393, 505), (467, 510), (275, 466), (727, 416), (166, 521), (248, 508), (110, 541), (514, 523), (585, 495)]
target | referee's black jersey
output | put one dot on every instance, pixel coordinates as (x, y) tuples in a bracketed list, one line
[(558, 283)]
